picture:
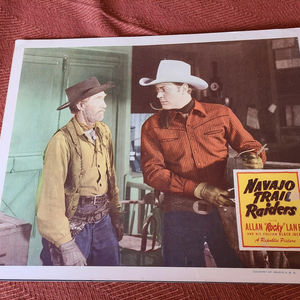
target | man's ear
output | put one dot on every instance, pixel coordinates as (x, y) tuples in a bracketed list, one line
[(80, 105), (185, 87)]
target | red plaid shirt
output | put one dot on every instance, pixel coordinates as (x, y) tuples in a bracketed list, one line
[(192, 150)]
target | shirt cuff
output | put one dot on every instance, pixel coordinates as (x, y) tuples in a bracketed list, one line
[(65, 239), (189, 188)]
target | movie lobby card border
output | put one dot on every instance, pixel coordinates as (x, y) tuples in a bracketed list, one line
[(130, 273)]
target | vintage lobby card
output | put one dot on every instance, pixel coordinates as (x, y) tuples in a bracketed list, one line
[(251, 72)]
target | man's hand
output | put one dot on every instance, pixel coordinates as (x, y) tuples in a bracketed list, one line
[(117, 223), (213, 195), (252, 161), (71, 254)]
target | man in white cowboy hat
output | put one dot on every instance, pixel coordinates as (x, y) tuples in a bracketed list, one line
[(184, 152), (79, 212)]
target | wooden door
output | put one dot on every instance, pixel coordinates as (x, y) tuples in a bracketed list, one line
[(35, 122)]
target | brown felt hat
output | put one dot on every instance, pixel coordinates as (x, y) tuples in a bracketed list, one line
[(83, 90)]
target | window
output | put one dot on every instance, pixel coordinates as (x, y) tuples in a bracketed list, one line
[(137, 120)]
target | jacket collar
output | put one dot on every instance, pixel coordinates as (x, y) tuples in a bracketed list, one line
[(198, 109), (80, 130)]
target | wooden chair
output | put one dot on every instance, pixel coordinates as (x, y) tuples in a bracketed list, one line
[(141, 248)]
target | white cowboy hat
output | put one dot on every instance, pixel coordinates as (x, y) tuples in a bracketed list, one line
[(174, 71)]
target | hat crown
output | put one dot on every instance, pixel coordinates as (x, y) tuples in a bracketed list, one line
[(172, 69), (83, 90), (79, 89)]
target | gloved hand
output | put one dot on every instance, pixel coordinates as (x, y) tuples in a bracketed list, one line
[(252, 161), (71, 254), (212, 194), (117, 223)]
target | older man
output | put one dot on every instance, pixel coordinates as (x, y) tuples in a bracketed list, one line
[(79, 213), (183, 154)]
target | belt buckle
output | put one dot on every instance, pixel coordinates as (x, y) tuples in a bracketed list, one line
[(200, 207)]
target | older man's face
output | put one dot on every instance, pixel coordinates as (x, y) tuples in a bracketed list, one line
[(94, 108), (170, 95)]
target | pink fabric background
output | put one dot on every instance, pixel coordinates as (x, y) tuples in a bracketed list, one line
[(47, 19)]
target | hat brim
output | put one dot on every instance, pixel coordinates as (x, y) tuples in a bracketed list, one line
[(194, 81), (67, 104), (89, 93)]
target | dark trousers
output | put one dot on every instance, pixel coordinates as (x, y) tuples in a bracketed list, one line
[(184, 234), (97, 242)]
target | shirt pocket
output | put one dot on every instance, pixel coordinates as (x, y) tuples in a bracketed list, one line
[(215, 132), (171, 145), (213, 139)]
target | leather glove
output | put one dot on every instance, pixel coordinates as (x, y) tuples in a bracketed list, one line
[(71, 254), (212, 195), (252, 161), (117, 223)]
